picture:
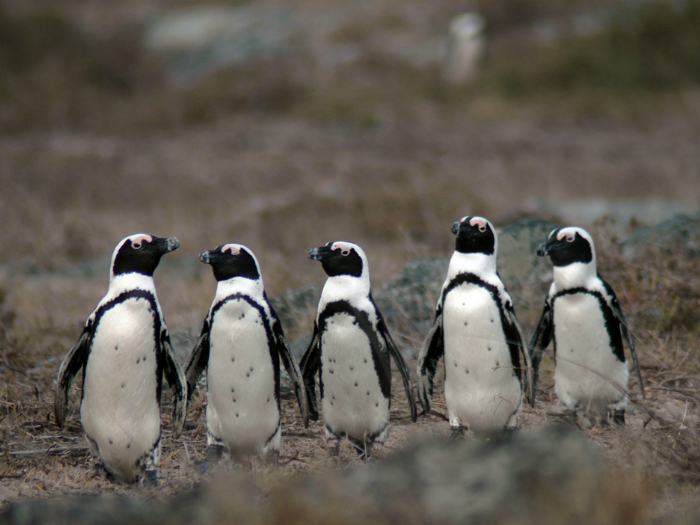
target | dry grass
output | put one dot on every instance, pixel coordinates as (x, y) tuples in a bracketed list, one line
[(378, 153)]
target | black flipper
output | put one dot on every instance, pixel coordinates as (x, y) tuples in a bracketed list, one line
[(198, 360), (525, 371), (290, 366), (400, 364), (626, 333), (310, 364), (539, 343), (70, 366), (176, 379), (432, 350)]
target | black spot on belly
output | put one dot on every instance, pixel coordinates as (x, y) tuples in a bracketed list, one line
[(465, 323), (498, 363), (236, 414), (365, 359), (492, 320), (268, 399), (572, 350), (251, 368), (234, 399), (242, 316), (247, 374), (128, 445), (111, 442), (138, 361), (488, 348), (122, 385), (466, 370), (367, 392), (333, 397), (356, 383), (233, 390), (330, 371), (352, 368), (144, 359), (233, 359), (377, 404), (116, 347), (455, 364)]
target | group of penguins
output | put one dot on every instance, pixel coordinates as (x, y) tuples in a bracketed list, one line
[(125, 351)]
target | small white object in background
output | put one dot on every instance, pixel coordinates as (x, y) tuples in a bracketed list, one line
[(465, 44)]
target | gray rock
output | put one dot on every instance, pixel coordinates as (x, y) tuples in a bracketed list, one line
[(518, 265), (532, 477), (679, 235), (413, 292)]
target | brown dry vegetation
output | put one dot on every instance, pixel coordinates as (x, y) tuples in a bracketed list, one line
[(283, 157)]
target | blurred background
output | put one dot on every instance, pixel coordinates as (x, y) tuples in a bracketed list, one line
[(284, 125)]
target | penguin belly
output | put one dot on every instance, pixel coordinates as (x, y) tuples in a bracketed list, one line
[(482, 390), (587, 373), (242, 410), (353, 403), (120, 411)]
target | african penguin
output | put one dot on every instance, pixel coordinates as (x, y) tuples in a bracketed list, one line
[(350, 349), (241, 345), (582, 317), (124, 352), (487, 363)]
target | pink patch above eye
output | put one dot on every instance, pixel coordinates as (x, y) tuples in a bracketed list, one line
[(138, 240), (344, 248), (564, 233), (235, 250), (481, 223)]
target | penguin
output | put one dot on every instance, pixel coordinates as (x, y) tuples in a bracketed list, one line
[(487, 362), (124, 352), (583, 319), (241, 346), (350, 349)]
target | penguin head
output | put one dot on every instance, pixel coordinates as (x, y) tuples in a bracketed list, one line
[(475, 235), (231, 260), (340, 258), (567, 246), (141, 253)]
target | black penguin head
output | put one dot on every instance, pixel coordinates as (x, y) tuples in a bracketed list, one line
[(568, 245), (340, 258), (141, 253), (474, 235), (231, 260)]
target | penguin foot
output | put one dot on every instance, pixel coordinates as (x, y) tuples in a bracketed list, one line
[(214, 455), (568, 418), (273, 458), (334, 448), (150, 478), (457, 432), (615, 416)]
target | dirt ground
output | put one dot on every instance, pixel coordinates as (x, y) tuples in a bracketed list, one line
[(283, 183)]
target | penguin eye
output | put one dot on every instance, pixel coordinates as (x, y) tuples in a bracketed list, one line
[(569, 238), (344, 253), (482, 229), (136, 245)]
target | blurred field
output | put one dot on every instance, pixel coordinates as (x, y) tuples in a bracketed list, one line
[(284, 154)]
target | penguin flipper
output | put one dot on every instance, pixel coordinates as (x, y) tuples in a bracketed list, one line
[(290, 366), (176, 379), (526, 370), (71, 364), (539, 343), (401, 365), (310, 363), (626, 333), (198, 361), (430, 353)]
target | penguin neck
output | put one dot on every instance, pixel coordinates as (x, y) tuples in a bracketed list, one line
[(125, 282), (239, 285), (476, 263), (574, 275), (346, 287)]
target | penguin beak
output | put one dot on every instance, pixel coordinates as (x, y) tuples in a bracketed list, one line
[(205, 257), (165, 245), (455, 228), (320, 253), (545, 249)]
